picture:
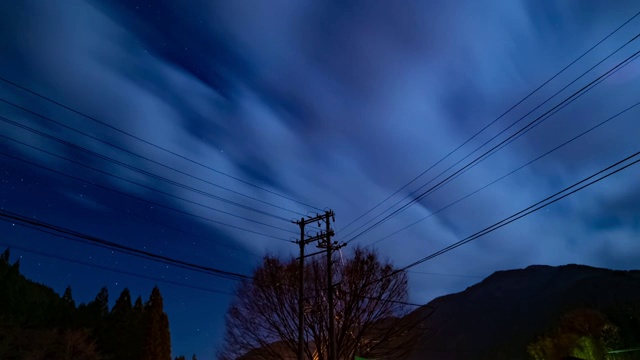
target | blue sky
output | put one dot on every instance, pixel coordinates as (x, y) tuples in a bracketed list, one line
[(334, 104)]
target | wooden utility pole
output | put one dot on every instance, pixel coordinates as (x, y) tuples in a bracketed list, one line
[(330, 246), (302, 242), (332, 316), (301, 294)]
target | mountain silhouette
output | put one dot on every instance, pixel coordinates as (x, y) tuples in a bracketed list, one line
[(498, 317)]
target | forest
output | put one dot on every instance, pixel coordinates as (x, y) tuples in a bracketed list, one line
[(36, 323)]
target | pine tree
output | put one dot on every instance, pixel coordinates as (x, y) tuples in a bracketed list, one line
[(95, 316), (68, 298), (138, 307), (68, 315), (123, 338), (6, 254), (122, 309), (100, 305), (157, 338), (137, 330)]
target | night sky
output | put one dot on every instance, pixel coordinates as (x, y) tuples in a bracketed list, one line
[(312, 105)]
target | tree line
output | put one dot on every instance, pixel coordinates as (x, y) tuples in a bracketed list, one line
[(36, 323)]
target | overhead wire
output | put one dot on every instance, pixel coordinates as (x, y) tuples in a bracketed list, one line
[(493, 122), (508, 174), (499, 146), (537, 206), (156, 146), (2, 118), (139, 198), (120, 163), (427, 170), (69, 234), (567, 191), (76, 236), (492, 150), (113, 270)]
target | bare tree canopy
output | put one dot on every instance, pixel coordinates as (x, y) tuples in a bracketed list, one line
[(261, 322)]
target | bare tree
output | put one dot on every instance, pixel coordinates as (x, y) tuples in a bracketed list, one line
[(370, 296)]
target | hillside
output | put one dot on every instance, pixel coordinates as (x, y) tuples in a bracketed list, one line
[(498, 317)]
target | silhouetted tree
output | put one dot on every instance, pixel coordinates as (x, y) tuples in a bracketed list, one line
[(37, 323), (157, 342), (261, 322), (138, 307), (583, 333), (99, 307), (123, 336), (67, 297), (122, 308), (6, 254)]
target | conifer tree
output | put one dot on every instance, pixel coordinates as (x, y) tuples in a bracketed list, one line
[(122, 308), (100, 305), (122, 339), (94, 316), (6, 254), (67, 314), (138, 308), (68, 298), (157, 345)]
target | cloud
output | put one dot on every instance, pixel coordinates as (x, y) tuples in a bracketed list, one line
[(340, 104)]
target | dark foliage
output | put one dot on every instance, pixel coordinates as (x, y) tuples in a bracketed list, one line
[(36, 323), (157, 343)]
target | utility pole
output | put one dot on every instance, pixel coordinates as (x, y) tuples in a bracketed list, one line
[(301, 293), (330, 246), (302, 242)]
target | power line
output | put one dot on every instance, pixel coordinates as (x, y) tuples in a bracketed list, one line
[(499, 146), (136, 169), (494, 121), (140, 199), (95, 241), (113, 270), (141, 185), (508, 174), (535, 207), (503, 143), (141, 157), (527, 211), (48, 99)]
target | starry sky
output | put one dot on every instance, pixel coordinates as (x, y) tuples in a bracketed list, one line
[(280, 108)]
